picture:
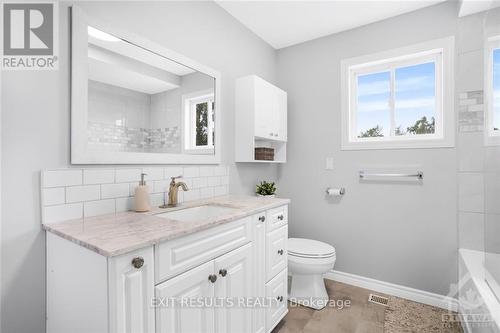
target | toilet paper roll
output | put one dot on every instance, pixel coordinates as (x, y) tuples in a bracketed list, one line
[(335, 191)]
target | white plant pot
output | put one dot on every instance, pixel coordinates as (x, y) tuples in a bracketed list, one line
[(266, 196)]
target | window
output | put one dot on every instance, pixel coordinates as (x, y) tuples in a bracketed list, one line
[(199, 122), (400, 98), (492, 91)]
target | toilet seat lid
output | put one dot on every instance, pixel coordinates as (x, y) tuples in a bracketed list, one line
[(309, 248)]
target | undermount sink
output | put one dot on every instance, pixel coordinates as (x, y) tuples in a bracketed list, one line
[(197, 213)]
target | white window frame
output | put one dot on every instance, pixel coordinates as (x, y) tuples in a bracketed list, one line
[(441, 51), (189, 102), (491, 138)]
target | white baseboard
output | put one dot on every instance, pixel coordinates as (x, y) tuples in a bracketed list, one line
[(411, 294)]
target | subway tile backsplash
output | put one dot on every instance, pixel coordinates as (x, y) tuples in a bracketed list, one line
[(76, 193)]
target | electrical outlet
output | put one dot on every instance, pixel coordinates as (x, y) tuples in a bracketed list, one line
[(329, 163)]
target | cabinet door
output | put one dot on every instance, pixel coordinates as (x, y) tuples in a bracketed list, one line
[(276, 291), (259, 250), (234, 281), (174, 318), (263, 94), (131, 289)]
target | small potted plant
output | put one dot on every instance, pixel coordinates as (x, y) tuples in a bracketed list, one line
[(266, 189)]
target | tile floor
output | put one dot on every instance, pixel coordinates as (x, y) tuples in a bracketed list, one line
[(361, 316)]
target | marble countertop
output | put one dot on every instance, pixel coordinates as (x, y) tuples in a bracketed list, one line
[(115, 234)]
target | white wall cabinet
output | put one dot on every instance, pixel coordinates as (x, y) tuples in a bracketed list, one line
[(261, 118), (87, 292)]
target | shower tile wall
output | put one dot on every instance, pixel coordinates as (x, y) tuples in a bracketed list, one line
[(471, 178), (76, 193), (125, 120)]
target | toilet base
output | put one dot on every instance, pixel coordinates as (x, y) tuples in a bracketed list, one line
[(308, 290)]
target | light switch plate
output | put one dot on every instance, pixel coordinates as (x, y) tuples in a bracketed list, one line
[(329, 163)]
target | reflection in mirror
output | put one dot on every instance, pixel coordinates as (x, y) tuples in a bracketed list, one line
[(139, 101)]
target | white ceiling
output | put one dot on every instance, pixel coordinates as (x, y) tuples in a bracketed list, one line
[(285, 23)]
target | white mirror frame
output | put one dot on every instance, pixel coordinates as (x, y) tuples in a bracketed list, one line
[(79, 99)]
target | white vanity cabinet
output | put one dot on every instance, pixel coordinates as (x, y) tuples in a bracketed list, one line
[(161, 288), (261, 118)]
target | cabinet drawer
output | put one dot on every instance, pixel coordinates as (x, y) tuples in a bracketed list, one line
[(277, 217), (276, 292), (178, 255), (276, 251)]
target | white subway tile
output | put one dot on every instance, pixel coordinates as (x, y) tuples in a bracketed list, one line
[(224, 180), (220, 170), (199, 182), (59, 213), (58, 178), (207, 192), (206, 171), (100, 207), (53, 196), (470, 101), (82, 193), (475, 107), (156, 199), (221, 190), (160, 186), (191, 195), (153, 173), (109, 191), (170, 172), (127, 175), (191, 171), (471, 231), (213, 181), (470, 192), (124, 204), (98, 176)]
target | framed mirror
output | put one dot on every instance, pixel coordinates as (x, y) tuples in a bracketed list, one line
[(135, 102)]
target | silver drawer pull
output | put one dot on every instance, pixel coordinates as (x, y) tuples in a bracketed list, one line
[(212, 278), (280, 298), (262, 218), (280, 252), (280, 217)]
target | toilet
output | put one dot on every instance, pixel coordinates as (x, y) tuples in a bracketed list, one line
[(308, 260)]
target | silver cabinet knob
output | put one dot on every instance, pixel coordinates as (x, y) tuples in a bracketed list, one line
[(223, 272), (262, 218), (280, 252), (281, 217), (212, 278), (271, 134), (138, 262), (280, 298)]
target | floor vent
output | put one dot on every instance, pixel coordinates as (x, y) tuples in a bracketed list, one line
[(380, 300)]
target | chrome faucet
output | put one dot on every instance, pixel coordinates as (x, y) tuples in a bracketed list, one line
[(173, 191)]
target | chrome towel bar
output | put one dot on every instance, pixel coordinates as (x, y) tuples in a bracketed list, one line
[(419, 175)]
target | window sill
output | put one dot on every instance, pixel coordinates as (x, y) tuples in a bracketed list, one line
[(398, 144), (200, 151)]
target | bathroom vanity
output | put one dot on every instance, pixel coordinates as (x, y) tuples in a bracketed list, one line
[(124, 272)]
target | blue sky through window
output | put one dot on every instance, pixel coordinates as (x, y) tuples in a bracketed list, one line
[(374, 92), (414, 97), (496, 88)]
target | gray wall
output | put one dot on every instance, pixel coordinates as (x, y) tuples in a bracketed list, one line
[(35, 130), (399, 233)]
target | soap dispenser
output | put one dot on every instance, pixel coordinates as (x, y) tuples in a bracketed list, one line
[(141, 198)]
